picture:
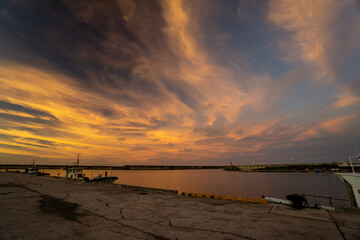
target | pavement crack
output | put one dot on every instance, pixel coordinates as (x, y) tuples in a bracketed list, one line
[(272, 207), (6, 193), (20, 186), (128, 226), (121, 213), (337, 226), (67, 195), (106, 204), (27, 197), (37, 184), (169, 221), (143, 219), (181, 227), (213, 231)]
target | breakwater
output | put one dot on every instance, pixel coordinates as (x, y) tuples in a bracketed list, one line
[(101, 167), (306, 167)]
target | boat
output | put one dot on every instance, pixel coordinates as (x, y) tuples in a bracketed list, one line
[(291, 203), (347, 165), (106, 179), (352, 183), (75, 172), (277, 200), (32, 169)]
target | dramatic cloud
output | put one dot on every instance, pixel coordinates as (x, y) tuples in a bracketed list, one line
[(178, 82), (323, 34)]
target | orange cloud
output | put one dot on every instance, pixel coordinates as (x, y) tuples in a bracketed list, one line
[(346, 99), (337, 125), (193, 92), (318, 37), (310, 23), (146, 87)]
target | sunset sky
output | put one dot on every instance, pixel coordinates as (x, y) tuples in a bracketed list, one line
[(175, 82)]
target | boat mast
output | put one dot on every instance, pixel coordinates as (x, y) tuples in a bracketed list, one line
[(351, 164), (77, 163), (358, 156)]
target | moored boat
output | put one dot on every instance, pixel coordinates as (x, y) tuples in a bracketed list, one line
[(75, 172), (352, 184), (290, 201), (106, 179), (32, 169)]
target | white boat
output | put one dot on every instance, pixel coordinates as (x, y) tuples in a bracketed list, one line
[(75, 172), (287, 202), (32, 169), (352, 184), (278, 200)]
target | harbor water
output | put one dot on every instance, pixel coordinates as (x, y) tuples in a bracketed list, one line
[(232, 183)]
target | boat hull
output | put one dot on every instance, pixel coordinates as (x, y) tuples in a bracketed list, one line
[(287, 202), (108, 180), (352, 184)]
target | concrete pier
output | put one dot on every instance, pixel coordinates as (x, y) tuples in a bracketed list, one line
[(34, 207)]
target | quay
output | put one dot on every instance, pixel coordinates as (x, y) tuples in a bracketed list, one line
[(37, 207)]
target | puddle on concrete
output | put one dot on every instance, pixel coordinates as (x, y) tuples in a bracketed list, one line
[(59, 207)]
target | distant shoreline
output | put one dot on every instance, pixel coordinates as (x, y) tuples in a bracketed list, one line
[(100, 167), (319, 167), (306, 167)]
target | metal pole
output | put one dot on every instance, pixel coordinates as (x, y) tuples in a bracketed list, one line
[(351, 165)]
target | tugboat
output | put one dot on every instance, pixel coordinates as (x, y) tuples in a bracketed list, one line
[(75, 172)]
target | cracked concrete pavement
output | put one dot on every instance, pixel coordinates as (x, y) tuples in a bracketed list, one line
[(34, 207)]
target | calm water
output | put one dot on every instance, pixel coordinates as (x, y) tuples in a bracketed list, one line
[(241, 184)]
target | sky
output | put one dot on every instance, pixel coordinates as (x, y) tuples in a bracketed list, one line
[(173, 82)]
